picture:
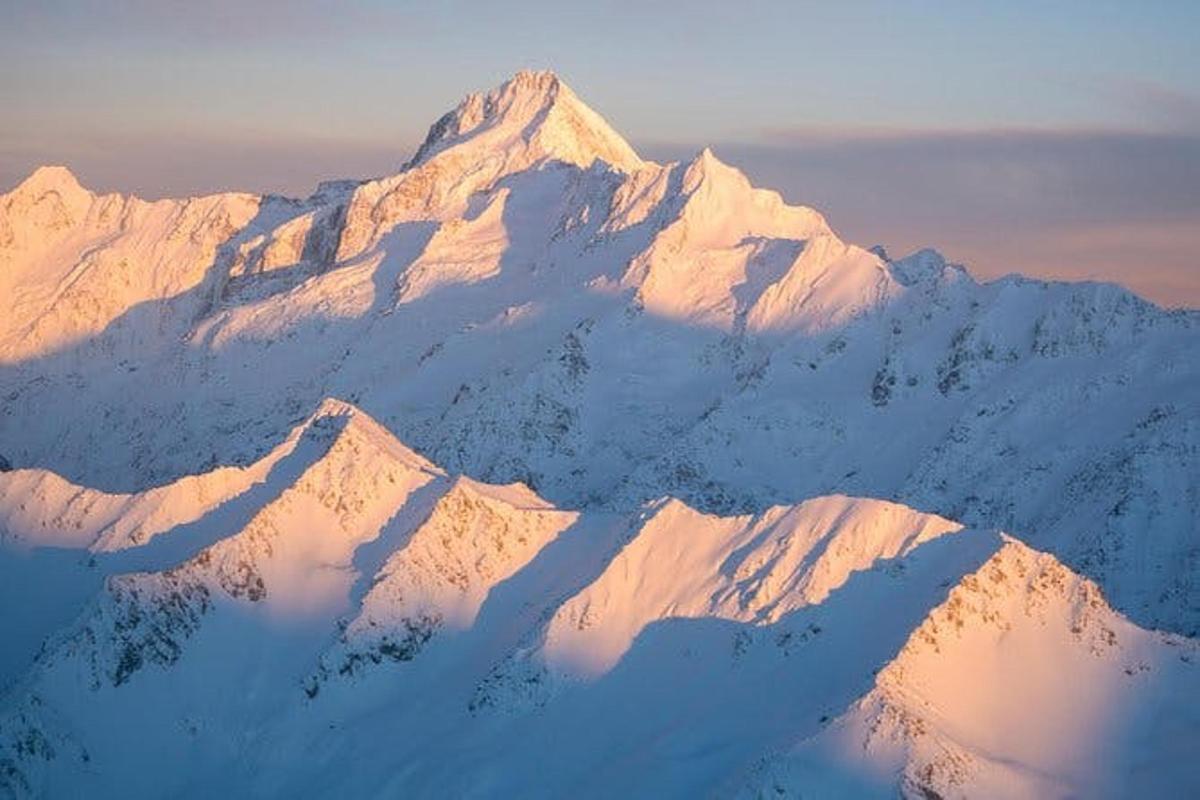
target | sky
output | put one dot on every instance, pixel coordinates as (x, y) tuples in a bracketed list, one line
[(1056, 139)]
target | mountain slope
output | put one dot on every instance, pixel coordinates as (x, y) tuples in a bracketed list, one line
[(239, 609), (771, 565), (475, 537)]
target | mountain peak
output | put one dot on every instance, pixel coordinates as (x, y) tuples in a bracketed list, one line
[(534, 114), (50, 177), (48, 201), (706, 168), (536, 80), (53, 178)]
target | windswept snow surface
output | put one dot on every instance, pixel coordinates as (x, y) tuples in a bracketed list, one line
[(641, 482)]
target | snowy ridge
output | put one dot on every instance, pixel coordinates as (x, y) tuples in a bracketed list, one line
[(532, 616), (40, 509), (770, 565), (293, 557)]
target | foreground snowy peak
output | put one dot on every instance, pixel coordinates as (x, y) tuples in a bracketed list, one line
[(357, 522), (476, 537), (295, 554), (1023, 683), (255, 532), (40, 509)]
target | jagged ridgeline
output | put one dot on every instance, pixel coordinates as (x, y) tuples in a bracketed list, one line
[(639, 481)]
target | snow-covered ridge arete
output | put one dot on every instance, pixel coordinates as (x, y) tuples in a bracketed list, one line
[(370, 592), (565, 336), (771, 564)]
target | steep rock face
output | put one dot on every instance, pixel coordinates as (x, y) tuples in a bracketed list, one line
[(1024, 683), (289, 241)]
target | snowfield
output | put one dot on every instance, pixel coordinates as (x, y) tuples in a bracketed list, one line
[(538, 469)]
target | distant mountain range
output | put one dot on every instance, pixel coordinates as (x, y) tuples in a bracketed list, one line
[(538, 469)]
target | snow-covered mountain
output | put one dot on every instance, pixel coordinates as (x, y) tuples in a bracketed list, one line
[(641, 482), (1023, 683), (357, 622)]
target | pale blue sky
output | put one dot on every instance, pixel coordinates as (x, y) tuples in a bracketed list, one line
[(165, 97), (716, 70)]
